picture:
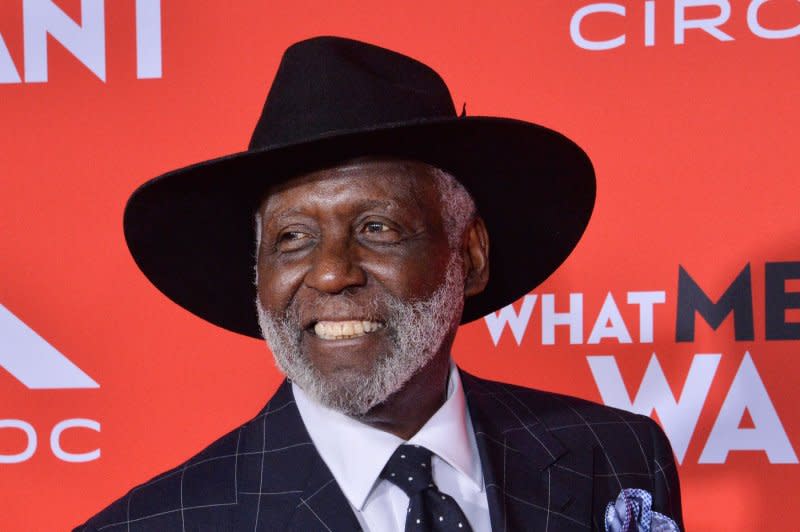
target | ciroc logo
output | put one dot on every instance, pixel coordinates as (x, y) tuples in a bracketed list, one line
[(39, 366)]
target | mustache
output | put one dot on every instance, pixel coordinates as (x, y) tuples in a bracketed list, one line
[(375, 307)]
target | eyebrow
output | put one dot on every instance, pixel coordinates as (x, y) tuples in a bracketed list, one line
[(362, 205), (282, 214), (377, 204)]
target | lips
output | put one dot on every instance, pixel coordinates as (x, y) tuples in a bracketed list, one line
[(344, 329)]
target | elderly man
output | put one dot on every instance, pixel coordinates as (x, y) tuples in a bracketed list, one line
[(367, 206)]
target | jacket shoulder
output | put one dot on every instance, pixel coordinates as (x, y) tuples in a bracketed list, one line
[(617, 448), (578, 422), (548, 407), (163, 495), (205, 487)]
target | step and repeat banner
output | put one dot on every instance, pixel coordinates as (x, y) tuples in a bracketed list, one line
[(681, 302)]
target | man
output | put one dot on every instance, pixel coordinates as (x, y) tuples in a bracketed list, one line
[(368, 207)]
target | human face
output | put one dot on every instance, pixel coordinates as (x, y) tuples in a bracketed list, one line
[(358, 289)]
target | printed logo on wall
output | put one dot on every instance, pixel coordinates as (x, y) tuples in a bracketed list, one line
[(85, 40), (682, 22), (39, 366), (746, 396), (34, 362)]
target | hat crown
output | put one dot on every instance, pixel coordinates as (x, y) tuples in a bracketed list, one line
[(329, 85), (191, 230)]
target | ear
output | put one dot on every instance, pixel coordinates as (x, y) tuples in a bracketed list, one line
[(475, 254)]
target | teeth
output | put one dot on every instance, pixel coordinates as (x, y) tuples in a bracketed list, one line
[(337, 330)]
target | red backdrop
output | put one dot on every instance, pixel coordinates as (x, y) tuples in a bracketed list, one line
[(688, 111)]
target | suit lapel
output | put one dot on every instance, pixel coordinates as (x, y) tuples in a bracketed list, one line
[(533, 480), (322, 504), (298, 490), (529, 487)]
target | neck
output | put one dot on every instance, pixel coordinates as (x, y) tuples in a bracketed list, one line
[(407, 410)]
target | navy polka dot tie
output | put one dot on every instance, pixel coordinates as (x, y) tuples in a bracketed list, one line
[(429, 509)]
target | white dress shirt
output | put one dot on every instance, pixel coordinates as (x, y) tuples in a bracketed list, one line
[(356, 454)]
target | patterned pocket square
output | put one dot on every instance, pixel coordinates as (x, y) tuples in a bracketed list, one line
[(632, 512)]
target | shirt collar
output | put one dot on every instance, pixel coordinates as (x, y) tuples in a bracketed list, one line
[(356, 453)]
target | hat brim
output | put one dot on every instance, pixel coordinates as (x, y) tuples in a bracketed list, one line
[(191, 231)]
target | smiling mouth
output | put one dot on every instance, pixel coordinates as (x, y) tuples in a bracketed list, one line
[(341, 330)]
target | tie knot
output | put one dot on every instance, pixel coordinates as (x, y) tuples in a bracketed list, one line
[(409, 469)]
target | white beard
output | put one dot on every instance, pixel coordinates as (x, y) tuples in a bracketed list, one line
[(416, 329)]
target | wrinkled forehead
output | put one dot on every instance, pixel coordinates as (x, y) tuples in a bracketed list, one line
[(395, 183)]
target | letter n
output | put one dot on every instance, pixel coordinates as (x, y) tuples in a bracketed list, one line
[(85, 41)]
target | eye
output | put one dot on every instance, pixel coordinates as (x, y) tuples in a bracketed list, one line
[(376, 227), (292, 240), (379, 231), (291, 235)]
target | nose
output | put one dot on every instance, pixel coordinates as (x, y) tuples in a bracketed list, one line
[(335, 266)]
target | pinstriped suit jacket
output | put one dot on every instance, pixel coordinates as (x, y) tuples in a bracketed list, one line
[(550, 462)]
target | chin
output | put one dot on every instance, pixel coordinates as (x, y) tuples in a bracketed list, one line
[(351, 391)]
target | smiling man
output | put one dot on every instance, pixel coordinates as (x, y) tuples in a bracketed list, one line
[(361, 285), (354, 236)]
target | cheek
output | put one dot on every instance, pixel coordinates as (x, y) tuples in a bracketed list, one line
[(277, 285), (413, 277)]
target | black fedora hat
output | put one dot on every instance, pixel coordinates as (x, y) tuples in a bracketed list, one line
[(191, 231)]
